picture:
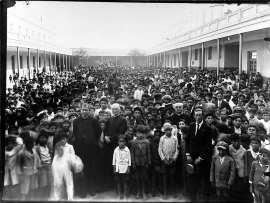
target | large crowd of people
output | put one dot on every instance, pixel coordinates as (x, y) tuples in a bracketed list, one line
[(146, 131)]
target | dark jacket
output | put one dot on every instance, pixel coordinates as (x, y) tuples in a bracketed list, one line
[(201, 144)]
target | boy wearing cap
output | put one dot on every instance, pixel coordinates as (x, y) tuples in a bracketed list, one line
[(168, 152), (257, 183), (222, 172)]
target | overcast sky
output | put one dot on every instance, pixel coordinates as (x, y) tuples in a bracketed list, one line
[(110, 25)]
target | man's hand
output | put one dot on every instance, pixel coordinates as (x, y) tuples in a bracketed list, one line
[(189, 159), (197, 161), (107, 139)]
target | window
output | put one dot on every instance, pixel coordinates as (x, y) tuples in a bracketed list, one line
[(196, 54), (21, 62), (175, 56), (34, 61), (13, 63), (39, 62), (209, 53), (252, 62)]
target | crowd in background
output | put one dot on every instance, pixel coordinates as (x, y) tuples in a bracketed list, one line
[(151, 130)]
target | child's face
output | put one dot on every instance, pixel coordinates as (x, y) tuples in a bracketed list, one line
[(255, 145), (53, 128), (102, 126), (229, 119), (265, 117), (43, 140), (157, 137), (101, 116), (236, 144), (63, 141), (221, 152), (159, 125), (29, 146), (251, 131), (140, 135), (223, 115), (209, 120), (244, 124), (262, 135), (237, 122), (128, 112), (264, 158), (121, 143), (181, 124), (9, 146), (66, 125), (259, 116), (168, 132)]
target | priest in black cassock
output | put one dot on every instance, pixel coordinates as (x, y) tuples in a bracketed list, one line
[(87, 131)]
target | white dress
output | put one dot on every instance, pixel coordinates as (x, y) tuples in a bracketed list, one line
[(61, 168)]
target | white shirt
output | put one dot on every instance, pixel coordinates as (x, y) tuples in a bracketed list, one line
[(237, 130), (167, 148), (221, 160), (266, 125), (200, 124), (138, 94), (121, 159)]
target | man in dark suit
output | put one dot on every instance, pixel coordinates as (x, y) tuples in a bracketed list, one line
[(222, 104), (199, 150)]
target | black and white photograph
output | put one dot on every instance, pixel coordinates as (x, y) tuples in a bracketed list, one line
[(135, 101)]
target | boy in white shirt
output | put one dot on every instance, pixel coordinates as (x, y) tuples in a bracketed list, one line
[(265, 121), (121, 163)]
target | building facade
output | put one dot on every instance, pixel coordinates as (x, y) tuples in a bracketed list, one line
[(31, 44), (95, 57), (218, 40)]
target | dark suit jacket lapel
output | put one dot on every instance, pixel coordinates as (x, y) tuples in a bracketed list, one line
[(201, 130)]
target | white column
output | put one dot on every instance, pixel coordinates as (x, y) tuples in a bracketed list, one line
[(240, 52), (218, 56), (18, 60), (29, 62)]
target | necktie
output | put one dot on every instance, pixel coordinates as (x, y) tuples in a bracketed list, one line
[(197, 129)]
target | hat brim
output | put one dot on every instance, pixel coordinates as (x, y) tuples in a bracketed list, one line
[(222, 147)]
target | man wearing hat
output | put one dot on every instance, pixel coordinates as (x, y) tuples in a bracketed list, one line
[(199, 150), (87, 131), (222, 173)]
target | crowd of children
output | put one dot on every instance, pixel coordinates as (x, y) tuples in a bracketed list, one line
[(150, 159)]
